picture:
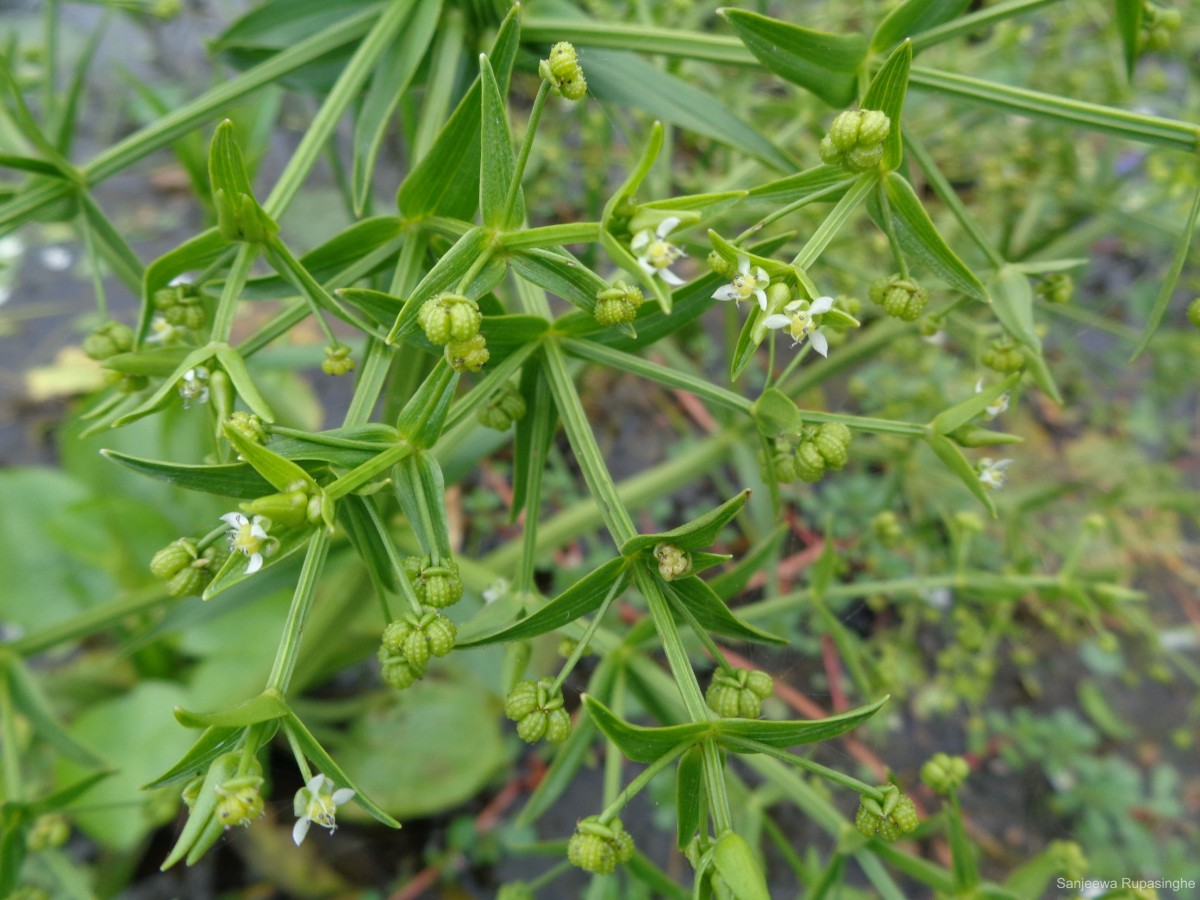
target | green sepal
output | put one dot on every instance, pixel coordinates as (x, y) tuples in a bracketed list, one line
[(734, 861), (638, 742), (421, 492), (970, 409), (1129, 26), (1013, 305), (949, 454), (921, 240), (266, 706), (689, 796), (886, 94), (911, 18), (560, 273), (822, 63), (165, 391), (776, 414), (787, 734), (325, 763), (157, 362), (621, 256), (239, 217), (497, 160), (233, 571), (728, 584), (28, 698), (282, 473), (201, 816), (423, 417), (700, 532), (583, 597), (211, 744), (446, 180), (711, 613), (446, 273)]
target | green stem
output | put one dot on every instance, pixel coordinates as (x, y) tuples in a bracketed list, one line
[(582, 644), (975, 22), (889, 228), (235, 281), (837, 217), (93, 620), (535, 115), (425, 527), (672, 643), (302, 600), (705, 638), (778, 214), (372, 468), (298, 755), (286, 265), (476, 267), (614, 759), (551, 236), (714, 782), (638, 38), (643, 778), (95, 269), (10, 745), (371, 377)]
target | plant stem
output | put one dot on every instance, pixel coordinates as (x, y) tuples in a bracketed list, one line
[(10, 745), (582, 644), (93, 620), (718, 796), (514, 187), (302, 600), (551, 236), (833, 223), (231, 292), (360, 475), (642, 779)]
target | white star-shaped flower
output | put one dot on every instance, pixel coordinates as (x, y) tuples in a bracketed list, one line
[(194, 386), (163, 332), (746, 283), (995, 409), (799, 322), (249, 537), (317, 802), (657, 253), (993, 472)]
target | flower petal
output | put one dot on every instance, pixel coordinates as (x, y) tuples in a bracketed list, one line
[(725, 292), (777, 321), (670, 277), (819, 342), (762, 298), (256, 562), (794, 306), (234, 519), (744, 264), (821, 305), (666, 226), (343, 795), (645, 265), (641, 239), (300, 830)]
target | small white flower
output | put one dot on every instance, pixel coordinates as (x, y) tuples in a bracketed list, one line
[(746, 283), (993, 472), (498, 589), (939, 598), (995, 409), (163, 332), (56, 259), (249, 537), (657, 253), (799, 322), (317, 802), (194, 386), (11, 248)]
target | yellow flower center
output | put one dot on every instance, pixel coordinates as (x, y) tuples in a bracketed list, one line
[(661, 254)]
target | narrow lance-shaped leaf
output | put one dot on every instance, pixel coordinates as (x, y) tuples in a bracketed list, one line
[(711, 613), (700, 532), (369, 539), (637, 742), (239, 216), (1182, 246), (920, 239), (230, 480), (424, 416), (282, 473), (497, 161), (211, 744), (1129, 26), (560, 273), (198, 830), (973, 407), (734, 861), (957, 463), (266, 706), (235, 367), (533, 434), (911, 18), (886, 94), (31, 702), (389, 82), (422, 495), (1013, 304), (788, 734), (169, 388), (581, 598), (820, 62), (689, 796)]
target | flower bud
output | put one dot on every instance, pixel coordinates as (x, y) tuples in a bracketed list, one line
[(599, 848), (897, 815), (239, 799), (450, 318), (48, 831), (944, 773), (617, 304), (181, 306), (563, 71), (1057, 287), (504, 408), (467, 356), (738, 694), (189, 582), (288, 508), (437, 586), (108, 339), (902, 298), (338, 360), (396, 671), (416, 638), (672, 561), (855, 140), (249, 426), (537, 708), (173, 558)]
